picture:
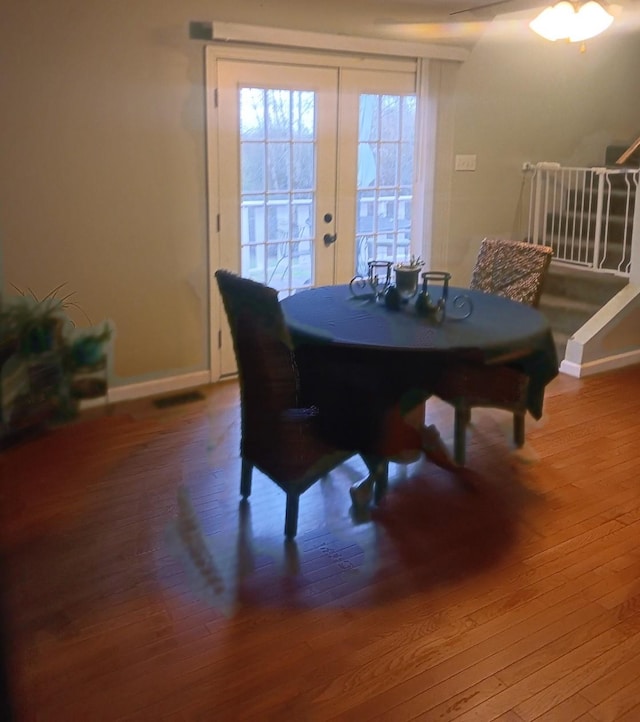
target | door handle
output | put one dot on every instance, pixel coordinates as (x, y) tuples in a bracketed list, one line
[(329, 238)]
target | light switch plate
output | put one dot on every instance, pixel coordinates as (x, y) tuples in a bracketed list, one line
[(465, 162)]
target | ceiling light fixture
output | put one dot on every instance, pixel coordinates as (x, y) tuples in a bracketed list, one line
[(572, 21)]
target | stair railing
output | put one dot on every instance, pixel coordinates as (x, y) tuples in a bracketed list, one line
[(585, 215)]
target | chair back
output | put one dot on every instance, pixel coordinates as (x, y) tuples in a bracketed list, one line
[(262, 344), (513, 269)]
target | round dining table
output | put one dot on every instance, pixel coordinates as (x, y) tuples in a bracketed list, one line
[(497, 331), (345, 342), (497, 325)]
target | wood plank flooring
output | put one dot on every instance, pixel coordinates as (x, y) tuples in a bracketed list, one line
[(137, 586)]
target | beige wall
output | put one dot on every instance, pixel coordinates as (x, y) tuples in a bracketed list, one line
[(103, 172), (520, 98), (103, 151)]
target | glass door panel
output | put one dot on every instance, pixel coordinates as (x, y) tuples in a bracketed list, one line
[(277, 138), (385, 176), (378, 110), (277, 202)]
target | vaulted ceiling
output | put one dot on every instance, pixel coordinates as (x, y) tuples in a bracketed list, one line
[(459, 22)]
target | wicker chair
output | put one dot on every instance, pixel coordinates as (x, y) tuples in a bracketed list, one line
[(278, 436), (516, 271), (513, 269)]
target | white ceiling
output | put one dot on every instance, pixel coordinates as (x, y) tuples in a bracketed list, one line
[(459, 22), (450, 10)]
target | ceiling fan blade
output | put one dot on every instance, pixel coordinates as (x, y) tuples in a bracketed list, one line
[(480, 7)]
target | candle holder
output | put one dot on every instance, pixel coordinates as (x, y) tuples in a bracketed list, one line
[(378, 280), (434, 307)]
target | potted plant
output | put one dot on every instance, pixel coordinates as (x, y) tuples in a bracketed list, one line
[(32, 329), (37, 323), (88, 348), (87, 360), (8, 334), (407, 273)]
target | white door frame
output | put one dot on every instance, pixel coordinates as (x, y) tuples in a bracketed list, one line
[(426, 159)]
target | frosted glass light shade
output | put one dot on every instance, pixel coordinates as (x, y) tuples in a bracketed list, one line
[(564, 21), (590, 20), (554, 21)]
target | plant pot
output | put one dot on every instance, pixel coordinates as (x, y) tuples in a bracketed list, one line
[(40, 338), (88, 352), (407, 281), (88, 388), (8, 346)]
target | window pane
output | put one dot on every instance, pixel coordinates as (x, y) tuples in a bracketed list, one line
[(303, 170), (252, 167), (279, 167), (278, 114), (302, 214), (390, 117), (252, 219), (388, 164), (406, 163), (251, 114), (366, 165), (303, 116), (408, 117), (278, 218), (368, 121)]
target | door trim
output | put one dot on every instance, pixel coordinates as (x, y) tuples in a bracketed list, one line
[(436, 81), (237, 32)]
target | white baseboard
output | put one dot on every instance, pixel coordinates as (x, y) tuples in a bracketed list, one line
[(158, 387), (570, 368), (609, 363)]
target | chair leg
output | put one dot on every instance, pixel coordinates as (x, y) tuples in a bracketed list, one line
[(291, 515), (245, 478), (461, 419), (378, 477), (381, 481), (372, 462), (518, 429)]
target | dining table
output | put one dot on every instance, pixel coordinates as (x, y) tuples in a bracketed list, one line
[(346, 342)]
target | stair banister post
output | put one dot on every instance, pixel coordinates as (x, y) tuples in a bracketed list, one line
[(634, 271), (536, 212), (600, 172)]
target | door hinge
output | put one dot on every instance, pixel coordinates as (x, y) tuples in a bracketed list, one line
[(219, 339), (215, 97), (218, 223)]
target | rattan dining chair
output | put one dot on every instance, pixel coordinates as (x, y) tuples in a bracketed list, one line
[(278, 436), (515, 270)]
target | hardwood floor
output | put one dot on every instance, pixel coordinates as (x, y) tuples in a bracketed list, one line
[(138, 587)]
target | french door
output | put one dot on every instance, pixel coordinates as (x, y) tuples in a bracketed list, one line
[(313, 170), (277, 146)]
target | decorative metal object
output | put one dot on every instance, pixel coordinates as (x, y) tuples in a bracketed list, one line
[(378, 281), (435, 308), (392, 298), (407, 280)]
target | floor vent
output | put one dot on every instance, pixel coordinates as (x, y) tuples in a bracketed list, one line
[(178, 399)]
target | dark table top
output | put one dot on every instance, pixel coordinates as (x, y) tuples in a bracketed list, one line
[(497, 329), (331, 314)]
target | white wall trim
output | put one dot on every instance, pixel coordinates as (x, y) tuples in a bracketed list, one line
[(600, 365), (235, 32), (156, 387), (436, 92)]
